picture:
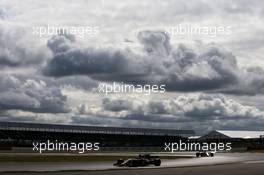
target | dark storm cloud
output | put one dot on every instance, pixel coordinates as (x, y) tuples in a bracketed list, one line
[(251, 82), (180, 68), (69, 60), (30, 95)]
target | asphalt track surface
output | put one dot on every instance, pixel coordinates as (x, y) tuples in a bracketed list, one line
[(233, 164), (227, 169)]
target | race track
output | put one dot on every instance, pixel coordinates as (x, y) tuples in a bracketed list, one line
[(249, 159)]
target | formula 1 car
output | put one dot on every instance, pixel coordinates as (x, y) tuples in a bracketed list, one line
[(139, 161), (205, 154)]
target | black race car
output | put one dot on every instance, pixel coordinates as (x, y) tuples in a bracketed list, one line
[(205, 154), (139, 161)]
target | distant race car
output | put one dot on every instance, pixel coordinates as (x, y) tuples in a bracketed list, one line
[(139, 161), (205, 154)]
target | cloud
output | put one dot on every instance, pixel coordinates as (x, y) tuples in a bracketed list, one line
[(187, 108), (180, 68), (25, 116), (69, 60), (151, 57), (251, 82), (80, 82), (18, 47), (201, 112), (155, 42), (3, 12), (116, 105), (30, 95)]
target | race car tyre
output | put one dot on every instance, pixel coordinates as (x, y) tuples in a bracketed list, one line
[(157, 162), (197, 154)]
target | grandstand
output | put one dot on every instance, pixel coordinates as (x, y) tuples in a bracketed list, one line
[(13, 134)]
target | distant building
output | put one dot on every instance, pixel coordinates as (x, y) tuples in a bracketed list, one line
[(194, 138), (226, 135), (246, 140)]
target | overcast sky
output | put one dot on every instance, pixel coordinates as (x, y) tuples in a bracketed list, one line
[(212, 81)]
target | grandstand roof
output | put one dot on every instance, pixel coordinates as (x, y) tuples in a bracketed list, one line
[(92, 129)]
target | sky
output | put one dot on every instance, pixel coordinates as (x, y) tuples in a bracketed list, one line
[(208, 55)]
